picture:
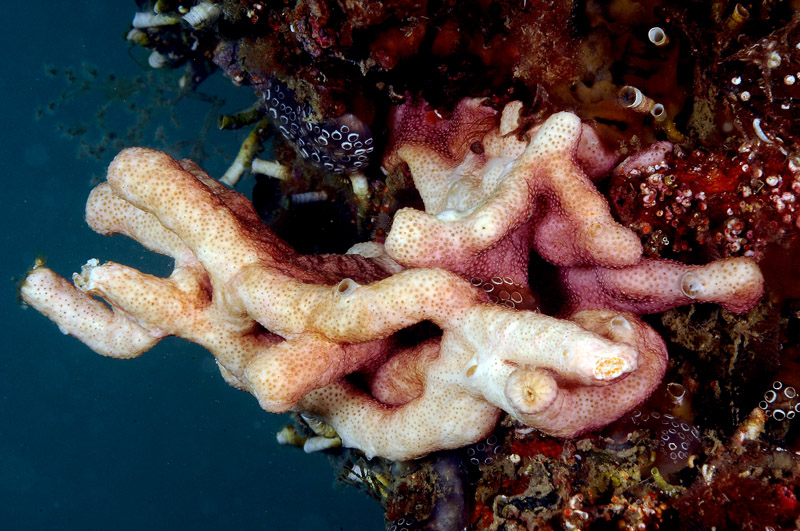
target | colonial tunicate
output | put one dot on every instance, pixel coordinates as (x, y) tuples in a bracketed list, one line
[(340, 145)]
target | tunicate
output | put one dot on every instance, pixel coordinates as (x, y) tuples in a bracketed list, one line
[(339, 145), (780, 402), (676, 439)]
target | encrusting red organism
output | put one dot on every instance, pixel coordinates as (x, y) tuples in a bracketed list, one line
[(705, 202)]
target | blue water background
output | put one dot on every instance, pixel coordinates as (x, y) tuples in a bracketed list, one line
[(159, 442)]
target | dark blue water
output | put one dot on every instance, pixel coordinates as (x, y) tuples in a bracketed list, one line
[(159, 442)]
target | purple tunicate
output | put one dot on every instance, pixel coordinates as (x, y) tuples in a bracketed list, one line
[(450, 508), (339, 145)]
